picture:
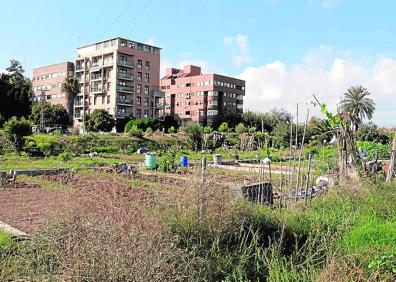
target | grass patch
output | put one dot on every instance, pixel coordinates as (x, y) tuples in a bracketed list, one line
[(5, 239)]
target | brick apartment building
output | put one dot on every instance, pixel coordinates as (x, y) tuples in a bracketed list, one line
[(193, 96), (120, 76), (47, 82)]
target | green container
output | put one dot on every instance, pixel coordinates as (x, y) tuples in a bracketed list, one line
[(151, 160)]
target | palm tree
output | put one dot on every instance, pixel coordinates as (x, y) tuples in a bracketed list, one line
[(71, 87), (357, 105)]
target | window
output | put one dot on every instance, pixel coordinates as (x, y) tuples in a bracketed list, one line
[(138, 88), (138, 113), (138, 101), (146, 113), (146, 102), (95, 100), (140, 64), (140, 46), (103, 100), (156, 51), (147, 49), (139, 76), (108, 99), (147, 77), (123, 43), (212, 93), (132, 45), (146, 89), (147, 65), (212, 112)]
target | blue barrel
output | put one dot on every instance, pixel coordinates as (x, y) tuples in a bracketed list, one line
[(184, 161), (151, 160)]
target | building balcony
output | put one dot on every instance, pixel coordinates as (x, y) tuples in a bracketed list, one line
[(126, 89), (108, 63), (97, 90), (120, 114), (81, 79), (78, 104), (159, 105), (126, 63), (96, 77), (125, 102), (96, 65), (126, 76)]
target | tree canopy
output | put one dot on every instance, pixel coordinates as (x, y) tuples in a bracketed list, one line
[(99, 120), (15, 92)]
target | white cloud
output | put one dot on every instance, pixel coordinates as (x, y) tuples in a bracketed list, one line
[(3, 71), (239, 46), (325, 74)]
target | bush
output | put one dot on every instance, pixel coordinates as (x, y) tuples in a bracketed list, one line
[(240, 128), (134, 131), (168, 160), (208, 129), (149, 130), (47, 144), (81, 144), (224, 127), (99, 120), (194, 133), (15, 131), (172, 129), (65, 156), (383, 151), (252, 129)]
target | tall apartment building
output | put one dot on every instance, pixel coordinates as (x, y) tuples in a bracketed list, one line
[(47, 82), (120, 76), (193, 96)]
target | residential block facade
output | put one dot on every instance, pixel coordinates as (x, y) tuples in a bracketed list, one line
[(193, 96), (120, 76), (47, 82)]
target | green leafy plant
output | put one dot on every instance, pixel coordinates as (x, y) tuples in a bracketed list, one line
[(224, 127), (168, 160), (65, 156), (134, 131), (15, 130)]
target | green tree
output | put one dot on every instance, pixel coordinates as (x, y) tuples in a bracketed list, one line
[(15, 130), (281, 134), (15, 92), (194, 133), (99, 120), (71, 87), (357, 105), (53, 114), (371, 132)]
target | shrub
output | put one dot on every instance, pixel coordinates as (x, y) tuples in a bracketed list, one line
[(194, 133), (208, 129), (240, 128), (383, 151), (81, 144), (168, 160), (134, 131), (224, 127), (252, 129), (172, 129), (107, 149), (99, 120), (149, 130), (15, 130), (53, 114), (47, 144), (65, 156)]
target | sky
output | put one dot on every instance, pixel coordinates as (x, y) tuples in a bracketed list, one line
[(286, 50)]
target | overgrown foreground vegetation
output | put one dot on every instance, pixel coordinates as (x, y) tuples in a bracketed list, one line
[(199, 234)]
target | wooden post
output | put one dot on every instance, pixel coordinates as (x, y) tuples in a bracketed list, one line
[(308, 177), (391, 168)]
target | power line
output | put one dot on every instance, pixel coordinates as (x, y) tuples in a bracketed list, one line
[(138, 14), (97, 18), (119, 16)]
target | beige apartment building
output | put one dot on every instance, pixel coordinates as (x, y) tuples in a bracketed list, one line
[(193, 96), (120, 76), (47, 82)]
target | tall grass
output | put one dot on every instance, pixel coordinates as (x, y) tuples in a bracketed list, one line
[(200, 234)]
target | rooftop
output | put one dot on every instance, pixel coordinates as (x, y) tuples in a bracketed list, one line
[(92, 44)]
